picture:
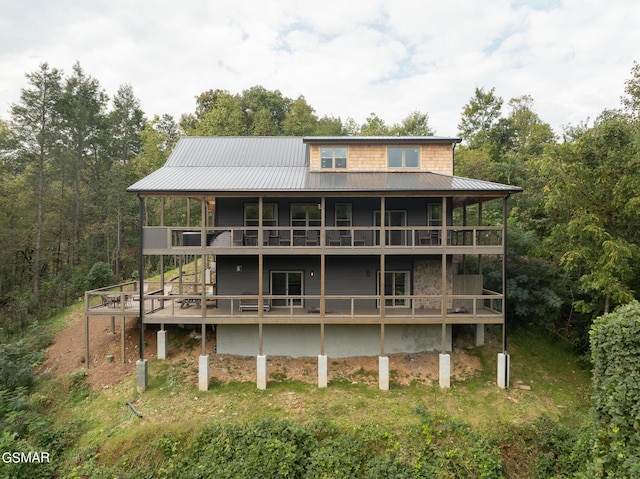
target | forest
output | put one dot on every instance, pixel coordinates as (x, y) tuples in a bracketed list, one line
[(69, 150)]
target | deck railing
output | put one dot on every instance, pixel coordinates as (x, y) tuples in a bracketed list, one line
[(284, 237), (307, 308)]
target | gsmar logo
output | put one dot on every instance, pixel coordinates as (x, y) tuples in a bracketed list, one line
[(37, 457)]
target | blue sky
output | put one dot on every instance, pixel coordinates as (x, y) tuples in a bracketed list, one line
[(348, 58)]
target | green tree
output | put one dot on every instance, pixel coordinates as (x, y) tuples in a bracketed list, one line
[(414, 124), (84, 121), (300, 119), (479, 117), (265, 111), (631, 102), (374, 126), (36, 123), (218, 113), (591, 199)]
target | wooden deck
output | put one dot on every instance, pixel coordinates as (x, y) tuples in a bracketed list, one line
[(190, 310)]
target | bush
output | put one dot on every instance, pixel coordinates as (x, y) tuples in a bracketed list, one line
[(615, 350), (99, 276)]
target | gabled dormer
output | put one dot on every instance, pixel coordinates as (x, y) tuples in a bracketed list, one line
[(381, 154)]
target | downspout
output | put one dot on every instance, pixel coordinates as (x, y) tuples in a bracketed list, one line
[(141, 278)]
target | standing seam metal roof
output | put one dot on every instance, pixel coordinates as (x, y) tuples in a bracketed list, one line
[(272, 164)]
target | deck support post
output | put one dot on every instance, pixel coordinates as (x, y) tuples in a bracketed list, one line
[(322, 371), (142, 375), (503, 370), (203, 372), (479, 339), (162, 344), (262, 372), (123, 340), (86, 340), (383, 373), (445, 371)]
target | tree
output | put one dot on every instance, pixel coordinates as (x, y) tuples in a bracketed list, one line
[(479, 116), (127, 120), (83, 112), (218, 113), (300, 119), (631, 102), (591, 199), (374, 126), (414, 124), (36, 124)]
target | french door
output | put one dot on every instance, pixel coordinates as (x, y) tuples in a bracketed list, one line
[(286, 283), (394, 237), (396, 285)]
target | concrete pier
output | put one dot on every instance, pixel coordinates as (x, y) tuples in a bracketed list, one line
[(203, 373), (322, 371), (503, 370), (262, 372), (383, 371), (445, 371), (142, 375), (162, 344)]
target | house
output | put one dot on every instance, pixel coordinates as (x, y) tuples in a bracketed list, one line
[(328, 246)]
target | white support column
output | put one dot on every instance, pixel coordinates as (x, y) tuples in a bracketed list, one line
[(162, 344), (203, 373), (383, 372), (503, 370), (479, 339), (262, 371), (445, 371), (322, 371), (142, 377)]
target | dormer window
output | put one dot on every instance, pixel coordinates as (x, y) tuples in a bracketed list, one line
[(333, 157), (403, 157)]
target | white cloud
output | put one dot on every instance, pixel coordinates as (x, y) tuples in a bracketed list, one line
[(348, 58)]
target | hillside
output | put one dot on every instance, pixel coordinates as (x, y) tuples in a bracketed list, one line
[(547, 380)]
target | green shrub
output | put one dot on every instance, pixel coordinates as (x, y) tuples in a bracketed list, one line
[(615, 350), (99, 276)]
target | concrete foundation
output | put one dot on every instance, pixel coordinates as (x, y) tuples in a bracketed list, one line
[(445, 371), (322, 371), (203, 373), (162, 344), (341, 341), (262, 372), (479, 339), (142, 375), (503, 370), (383, 372)]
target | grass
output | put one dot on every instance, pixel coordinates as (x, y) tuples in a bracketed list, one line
[(173, 405)]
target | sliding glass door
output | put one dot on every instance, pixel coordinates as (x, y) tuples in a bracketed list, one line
[(286, 283)]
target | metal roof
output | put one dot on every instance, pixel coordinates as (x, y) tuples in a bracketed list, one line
[(216, 151), (280, 164)]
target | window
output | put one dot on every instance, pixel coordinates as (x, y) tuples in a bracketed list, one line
[(434, 214), (305, 215), (269, 214), (403, 157), (343, 214), (333, 157)]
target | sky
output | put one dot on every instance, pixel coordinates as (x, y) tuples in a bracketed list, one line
[(348, 58)]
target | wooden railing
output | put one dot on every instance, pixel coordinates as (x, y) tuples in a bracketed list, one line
[(283, 237), (307, 308)]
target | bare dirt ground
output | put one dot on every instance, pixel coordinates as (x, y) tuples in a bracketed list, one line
[(66, 356)]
